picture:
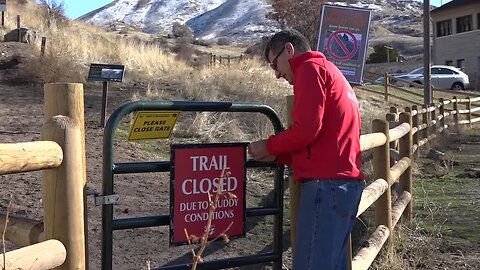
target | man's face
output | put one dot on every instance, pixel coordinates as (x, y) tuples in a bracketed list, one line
[(279, 63)]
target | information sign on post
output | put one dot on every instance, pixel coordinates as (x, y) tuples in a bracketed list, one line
[(196, 173), (343, 38), (105, 73)]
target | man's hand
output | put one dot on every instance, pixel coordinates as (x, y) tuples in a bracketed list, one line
[(258, 151)]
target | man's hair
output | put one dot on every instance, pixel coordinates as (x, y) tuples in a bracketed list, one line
[(299, 42)]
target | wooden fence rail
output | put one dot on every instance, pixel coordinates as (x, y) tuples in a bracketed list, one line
[(41, 256)]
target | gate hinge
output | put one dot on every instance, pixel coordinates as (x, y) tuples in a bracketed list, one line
[(109, 199)]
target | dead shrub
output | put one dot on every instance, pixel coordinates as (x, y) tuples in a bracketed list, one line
[(181, 30), (224, 41)]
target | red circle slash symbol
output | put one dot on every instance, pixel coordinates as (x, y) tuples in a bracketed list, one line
[(341, 39)]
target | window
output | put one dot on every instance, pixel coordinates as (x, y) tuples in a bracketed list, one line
[(464, 24), (449, 63), (460, 63), (445, 71), (444, 28)]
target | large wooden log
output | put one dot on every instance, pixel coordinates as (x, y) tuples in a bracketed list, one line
[(41, 256), (399, 206), (372, 140), (398, 169), (29, 156), (372, 246), (398, 132), (371, 193), (21, 231), (63, 192)]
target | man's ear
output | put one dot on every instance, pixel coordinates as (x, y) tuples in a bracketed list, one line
[(289, 49)]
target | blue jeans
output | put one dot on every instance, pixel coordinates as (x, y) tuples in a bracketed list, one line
[(326, 216)]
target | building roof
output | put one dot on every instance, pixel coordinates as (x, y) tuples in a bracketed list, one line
[(453, 4)]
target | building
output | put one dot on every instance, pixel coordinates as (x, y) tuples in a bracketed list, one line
[(456, 37)]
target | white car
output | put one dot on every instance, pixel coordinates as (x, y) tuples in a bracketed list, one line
[(442, 77)]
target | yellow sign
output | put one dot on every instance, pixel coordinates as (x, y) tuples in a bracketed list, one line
[(153, 125)]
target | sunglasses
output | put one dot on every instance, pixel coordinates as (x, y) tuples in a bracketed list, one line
[(273, 64)]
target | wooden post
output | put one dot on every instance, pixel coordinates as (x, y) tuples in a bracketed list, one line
[(395, 112), (214, 60), (42, 47), (18, 29), (385, 85), (381, 169), (391, 118), (415, 122), (220, 60), (67, 99), (469, 115), (63, 195), (3, 18), (433, 117), (103, 115), (241, 57), (228, 60), (405, 149), (455, 109), (425, 119), (41, 256), (442, 113), (293, 186)]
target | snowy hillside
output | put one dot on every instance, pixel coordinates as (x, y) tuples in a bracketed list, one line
[(236, 19), (396, 22)]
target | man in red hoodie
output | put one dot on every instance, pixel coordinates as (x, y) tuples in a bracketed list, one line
[(322, 146)]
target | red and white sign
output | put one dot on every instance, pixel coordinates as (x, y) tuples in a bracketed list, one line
[(199, 171)]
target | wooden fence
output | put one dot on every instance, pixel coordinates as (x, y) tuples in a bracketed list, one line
[(61, 156), (412, 94), (400, 136), (214, 60)]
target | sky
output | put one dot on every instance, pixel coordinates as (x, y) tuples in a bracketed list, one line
[(77, 8)]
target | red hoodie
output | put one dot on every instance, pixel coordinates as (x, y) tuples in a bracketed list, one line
[(324, 140)]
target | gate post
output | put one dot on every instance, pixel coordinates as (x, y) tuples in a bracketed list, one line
[(293, 187), (63, 192), (67, 99)]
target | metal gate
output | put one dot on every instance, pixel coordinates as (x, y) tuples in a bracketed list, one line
[(108, 197)]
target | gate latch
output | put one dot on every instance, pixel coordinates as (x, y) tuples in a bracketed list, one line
[(109, 199)]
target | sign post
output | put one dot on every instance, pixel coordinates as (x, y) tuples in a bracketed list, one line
[(343, 38), (105, 73), (3, 8), (198, 173)]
